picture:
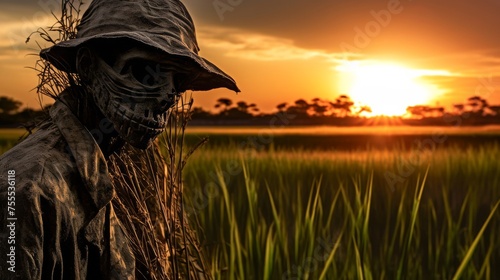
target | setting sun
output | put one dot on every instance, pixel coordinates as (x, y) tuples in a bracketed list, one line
[(388, 89)]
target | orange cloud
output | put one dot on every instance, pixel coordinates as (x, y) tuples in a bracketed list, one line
[(253, 46)]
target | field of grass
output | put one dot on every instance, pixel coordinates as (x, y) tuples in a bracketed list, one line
[(302, 206), (373, 214)]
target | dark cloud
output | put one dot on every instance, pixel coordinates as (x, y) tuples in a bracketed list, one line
[(423, 26)]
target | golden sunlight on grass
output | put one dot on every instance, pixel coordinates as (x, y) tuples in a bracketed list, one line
[(387, 88)]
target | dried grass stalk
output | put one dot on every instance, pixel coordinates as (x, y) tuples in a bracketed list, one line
[(149, 202), (52, 81)]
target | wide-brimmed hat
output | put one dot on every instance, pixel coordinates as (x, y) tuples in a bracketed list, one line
[(162, 24)]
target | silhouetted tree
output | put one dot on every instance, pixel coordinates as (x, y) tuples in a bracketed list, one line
[(362, 109), (300, 108), (9, 105), (416, 111), (301, 103), (343, 105), (253, 107), (318, 107), (436, 112), (281, 107), (476, 104), (224, 102), (242, 106), (424, 111), (458, 109)]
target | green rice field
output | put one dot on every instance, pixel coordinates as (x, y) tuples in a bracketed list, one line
[(339, 204)]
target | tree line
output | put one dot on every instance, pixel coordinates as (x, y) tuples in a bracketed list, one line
[(344, 111), (341, 111), (12, 116), (343, 106)]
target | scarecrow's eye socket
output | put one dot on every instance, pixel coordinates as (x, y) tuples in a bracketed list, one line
[(143, 71)]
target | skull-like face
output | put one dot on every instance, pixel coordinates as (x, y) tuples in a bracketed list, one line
[(134, 91)]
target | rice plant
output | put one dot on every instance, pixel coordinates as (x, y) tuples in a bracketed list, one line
[(320, 215)]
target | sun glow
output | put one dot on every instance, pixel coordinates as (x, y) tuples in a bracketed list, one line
[(388, 89)]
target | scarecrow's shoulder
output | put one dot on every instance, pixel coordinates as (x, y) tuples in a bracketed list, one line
[(42, 159)]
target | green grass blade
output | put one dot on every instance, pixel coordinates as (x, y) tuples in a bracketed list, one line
[(474, 244)]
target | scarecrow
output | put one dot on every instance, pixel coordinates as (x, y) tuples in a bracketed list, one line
[(133, 59)]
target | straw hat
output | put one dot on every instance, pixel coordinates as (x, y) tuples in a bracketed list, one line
[(162, 24)]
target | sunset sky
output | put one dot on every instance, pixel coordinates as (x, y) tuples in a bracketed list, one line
[(414, 51)]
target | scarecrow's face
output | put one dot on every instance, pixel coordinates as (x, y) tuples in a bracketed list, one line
[(134, 89)]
